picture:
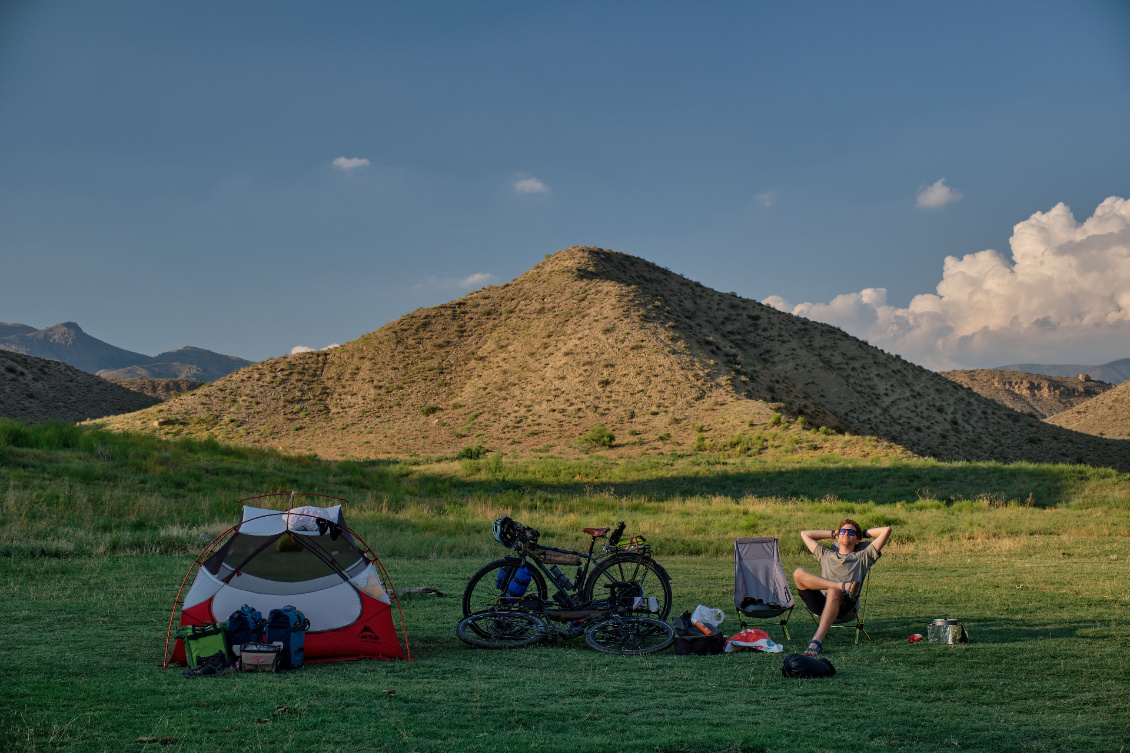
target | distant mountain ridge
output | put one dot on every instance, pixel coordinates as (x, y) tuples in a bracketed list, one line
[(1115, 372), (67, 342), (1036, 394), (40, 389)]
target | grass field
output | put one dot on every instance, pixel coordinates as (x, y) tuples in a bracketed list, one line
[(99, 529)]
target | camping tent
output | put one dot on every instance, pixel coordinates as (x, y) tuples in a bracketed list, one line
[(306, 557)]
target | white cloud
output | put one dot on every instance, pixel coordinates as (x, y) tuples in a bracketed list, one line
[(936, 195), (1064, 297), (768, 198), (349, 164), (304, 349), (529, 184), (476, 280)]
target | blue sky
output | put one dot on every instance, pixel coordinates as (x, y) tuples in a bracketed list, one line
[(249, 177)]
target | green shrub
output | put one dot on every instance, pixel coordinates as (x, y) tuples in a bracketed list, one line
[(775, 419), (472, 453), (801, 422), (597, 436), (428, 410)]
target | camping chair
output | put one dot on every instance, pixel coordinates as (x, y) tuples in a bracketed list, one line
[(853, 618), (760, 589)]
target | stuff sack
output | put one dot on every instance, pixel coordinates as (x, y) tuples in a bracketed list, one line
[(259, 657), (245, 626), (803, 667), (690, 641), (287, 627), (204, 642)]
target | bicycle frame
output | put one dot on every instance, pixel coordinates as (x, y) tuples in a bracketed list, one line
[(567, 596)]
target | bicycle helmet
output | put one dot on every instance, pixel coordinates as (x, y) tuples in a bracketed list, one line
[(505, 532)]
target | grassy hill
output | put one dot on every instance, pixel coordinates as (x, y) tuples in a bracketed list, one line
[(1107, 415), (1034, 394), (591, 336)]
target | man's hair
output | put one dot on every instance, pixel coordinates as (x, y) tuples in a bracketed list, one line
[(858, 528)]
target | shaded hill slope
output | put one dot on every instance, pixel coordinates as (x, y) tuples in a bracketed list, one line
[(162, 389), (39, 389), (591, 335), (1035, 394), (1115, 372), (8, 329), (1107, 415)]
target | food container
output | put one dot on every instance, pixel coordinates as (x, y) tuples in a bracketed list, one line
[(946, 631)]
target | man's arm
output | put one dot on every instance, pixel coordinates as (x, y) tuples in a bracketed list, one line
[(878, 537), (812, 538)]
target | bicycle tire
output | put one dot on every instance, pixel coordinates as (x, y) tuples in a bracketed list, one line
[(630, 636), (482, 593), (637, 568), (501, 629)]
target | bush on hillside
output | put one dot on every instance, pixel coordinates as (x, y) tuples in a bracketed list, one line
[(597, 436), (472, 453)]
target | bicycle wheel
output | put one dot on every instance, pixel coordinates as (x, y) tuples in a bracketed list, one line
[(500, 629), (630, 636), (486, 591), (632, 568)]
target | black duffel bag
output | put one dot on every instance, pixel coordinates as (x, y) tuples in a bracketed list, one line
[(802, 667)]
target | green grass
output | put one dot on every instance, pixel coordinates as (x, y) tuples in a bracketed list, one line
[(98, 529), (1044, 669)]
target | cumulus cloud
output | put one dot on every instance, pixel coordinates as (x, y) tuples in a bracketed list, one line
[(936, 195), (529, 184), (476, 280), (768, 198), (349, 164), (304, 349), (1063, 297)]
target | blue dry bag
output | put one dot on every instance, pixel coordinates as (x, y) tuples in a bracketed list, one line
[(515, 581)]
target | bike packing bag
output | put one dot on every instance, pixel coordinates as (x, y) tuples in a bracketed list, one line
[(515, 581), (245, 626), (203, 641), (551, 557), (259, 657), (690, 641), (287, 626)]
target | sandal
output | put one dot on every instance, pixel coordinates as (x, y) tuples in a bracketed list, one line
[(814, 652), (851, 589)]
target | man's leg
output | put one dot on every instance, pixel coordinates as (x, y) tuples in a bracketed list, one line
[(812, 582)]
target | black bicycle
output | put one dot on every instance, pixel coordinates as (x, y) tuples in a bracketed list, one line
[(609, 625), (502, 584)]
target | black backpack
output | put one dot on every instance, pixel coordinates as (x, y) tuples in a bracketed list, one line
[(803, 667)]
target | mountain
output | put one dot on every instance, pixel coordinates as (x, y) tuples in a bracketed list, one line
[(68, 343), (196, 364), (1035, 394), (40, 389), (1107, 415), (595, 336), (1115, 372)]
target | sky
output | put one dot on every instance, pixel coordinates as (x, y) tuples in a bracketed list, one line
[(947, 181)]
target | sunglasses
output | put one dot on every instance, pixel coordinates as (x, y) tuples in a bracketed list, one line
[(848, 532)]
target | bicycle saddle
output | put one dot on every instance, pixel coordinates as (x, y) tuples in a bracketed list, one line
[(598, 532)]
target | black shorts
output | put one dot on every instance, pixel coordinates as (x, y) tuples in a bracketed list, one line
[(815, 601)]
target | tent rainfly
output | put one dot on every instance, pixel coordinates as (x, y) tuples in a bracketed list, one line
[(306, 557)]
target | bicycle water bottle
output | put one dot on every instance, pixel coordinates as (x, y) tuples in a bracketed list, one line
[(519, 581), (560, 578)]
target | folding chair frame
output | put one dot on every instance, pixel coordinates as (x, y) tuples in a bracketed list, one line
[(778, 615), (860, 614), (784, 623)]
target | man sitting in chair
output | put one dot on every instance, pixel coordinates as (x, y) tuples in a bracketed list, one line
[(842, 571)]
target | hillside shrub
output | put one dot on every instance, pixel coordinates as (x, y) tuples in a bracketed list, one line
[(597, 436), (472, 453), (775, 419), (428, 410)]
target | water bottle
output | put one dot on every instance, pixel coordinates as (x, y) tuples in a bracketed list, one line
[(517, 584), (560, 578)]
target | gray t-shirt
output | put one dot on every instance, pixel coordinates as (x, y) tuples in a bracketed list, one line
[(844, 568)]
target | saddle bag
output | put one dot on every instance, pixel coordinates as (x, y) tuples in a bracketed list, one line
[(287, 628), (690, 641), (245, 626), (204, 641), (550, 557), (260, 657), (803, 667)]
